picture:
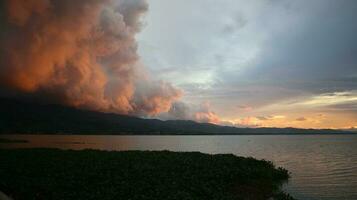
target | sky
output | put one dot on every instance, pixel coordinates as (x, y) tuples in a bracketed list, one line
[(276, 63), (271, 63)]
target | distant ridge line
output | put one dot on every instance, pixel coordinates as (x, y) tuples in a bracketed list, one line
[(18, 117)]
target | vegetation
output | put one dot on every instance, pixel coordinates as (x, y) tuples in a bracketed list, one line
[(21, 117), (136, 175)]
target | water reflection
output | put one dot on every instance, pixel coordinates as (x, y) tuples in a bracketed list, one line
[(323, 166)]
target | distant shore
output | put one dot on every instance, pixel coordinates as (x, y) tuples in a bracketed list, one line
[(170, 134), (138, 175)]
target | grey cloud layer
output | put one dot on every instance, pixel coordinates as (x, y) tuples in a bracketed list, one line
[(259, 52)]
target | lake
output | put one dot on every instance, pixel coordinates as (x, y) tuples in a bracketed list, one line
[(323, 167)]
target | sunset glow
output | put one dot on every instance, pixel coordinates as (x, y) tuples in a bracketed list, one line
[(257, 64)]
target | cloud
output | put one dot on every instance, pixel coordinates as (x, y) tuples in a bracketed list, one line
[(256, 121), (251, 122), (79, 53), (301, 119), (257, 53), (271, 117), (335, 101), (201, 113), (179, 110), (245, 108), (206, 115), (335, 98)]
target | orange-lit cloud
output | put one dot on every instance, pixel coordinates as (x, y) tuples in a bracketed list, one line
[(310, 120), (207, 117), (201, 113), (256, 121), (80, 53)]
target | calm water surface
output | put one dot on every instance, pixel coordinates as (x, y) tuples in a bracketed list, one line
[(324, 167)]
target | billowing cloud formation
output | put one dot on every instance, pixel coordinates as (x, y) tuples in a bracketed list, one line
[(79, 53), (202, 113), (205, 114)]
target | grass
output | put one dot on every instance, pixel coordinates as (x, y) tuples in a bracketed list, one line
[(137, 175)]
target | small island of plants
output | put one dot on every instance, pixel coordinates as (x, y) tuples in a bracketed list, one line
[(137, 175)]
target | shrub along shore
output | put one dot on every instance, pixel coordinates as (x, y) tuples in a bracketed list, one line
[(46, 174)]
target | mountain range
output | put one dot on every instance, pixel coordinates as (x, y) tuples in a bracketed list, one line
[(21, 117)]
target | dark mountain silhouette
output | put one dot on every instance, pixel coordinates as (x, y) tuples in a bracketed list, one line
[(24, 117)]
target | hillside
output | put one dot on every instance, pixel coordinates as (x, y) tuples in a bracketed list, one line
[(23, 117)]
